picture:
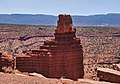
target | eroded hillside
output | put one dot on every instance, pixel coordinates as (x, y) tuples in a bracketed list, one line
[(100, 44)]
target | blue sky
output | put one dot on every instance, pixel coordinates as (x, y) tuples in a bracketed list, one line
[(55, 7)]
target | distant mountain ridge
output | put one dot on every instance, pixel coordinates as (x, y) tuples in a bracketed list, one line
[(110, 19)]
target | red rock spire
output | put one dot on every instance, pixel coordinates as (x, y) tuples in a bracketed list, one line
[(59, 57), (65, 24)]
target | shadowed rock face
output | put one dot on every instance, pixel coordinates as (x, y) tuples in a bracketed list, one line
[(59, 57), (110, 75), (6, 60)]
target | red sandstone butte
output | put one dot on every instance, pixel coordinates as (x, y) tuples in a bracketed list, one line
[(59, 57)]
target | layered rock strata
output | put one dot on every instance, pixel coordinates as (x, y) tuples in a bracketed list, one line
[(59, 57)]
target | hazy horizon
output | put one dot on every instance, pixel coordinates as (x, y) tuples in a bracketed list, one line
[(73, 7), (54, 15)]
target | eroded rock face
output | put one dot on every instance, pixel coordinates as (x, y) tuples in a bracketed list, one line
[(6, 60), (59, 57), (110, 75), (65, 24)]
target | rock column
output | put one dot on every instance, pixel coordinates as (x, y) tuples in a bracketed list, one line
[(66, 51)]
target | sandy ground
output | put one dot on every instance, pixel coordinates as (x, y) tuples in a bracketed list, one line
[(24, 79)]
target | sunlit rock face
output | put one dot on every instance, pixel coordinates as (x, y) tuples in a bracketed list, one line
[(59, 57), (65, 24), (66, 51)]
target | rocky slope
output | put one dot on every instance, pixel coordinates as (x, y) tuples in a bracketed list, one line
[(24, 79)]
